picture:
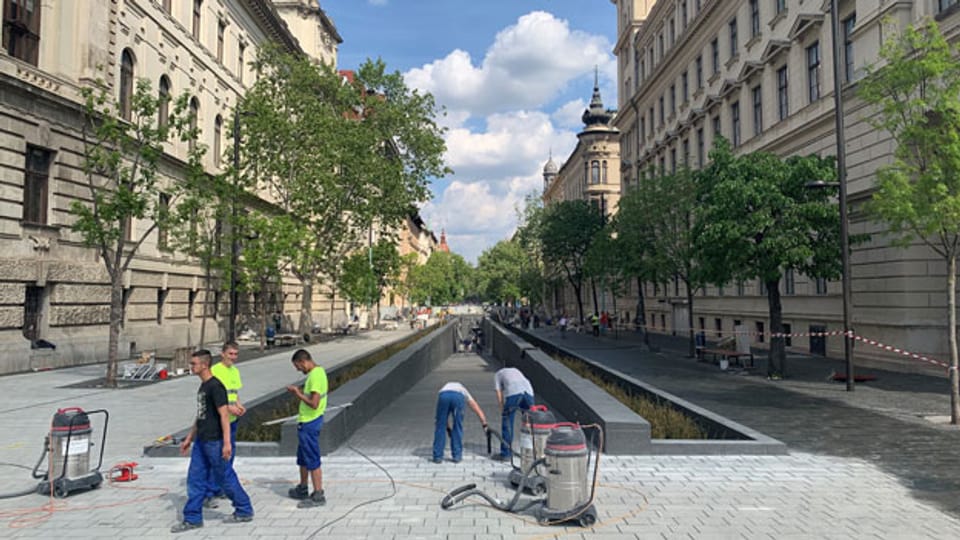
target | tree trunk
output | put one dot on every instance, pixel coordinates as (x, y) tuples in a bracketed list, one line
[(777, 365), (692, 349), (116, 319), (613, 297), (952, 333), (206, 297), (577, 290), (333, 302), (642, 312), (593, 290), (263, 314), (305, 326)]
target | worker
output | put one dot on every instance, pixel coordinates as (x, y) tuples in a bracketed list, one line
[(227, 373), (450, 402), (514, 392), (212, 451), (313, 403)]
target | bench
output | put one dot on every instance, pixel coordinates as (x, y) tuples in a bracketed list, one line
[(725, 354), (287, 340)]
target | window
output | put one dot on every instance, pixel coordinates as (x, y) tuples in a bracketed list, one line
[(686, 152), (718, 327), (685, 84), (194, 120), (700, 147), (32, 311), (673, 32), (35, 181), (813, 72), (754, 18), (683, 14), (217, 140), (701, 323), (660, 48), (740, 289), (673, 161), (716, 127), (783, 100), (161, 299), (652, 121), (163, 107), (604, 176), (197, 10), (221, 29), (240, 67), (734, 50), (661, 110), (643, 68), (848, 25), (757, 110), (636, 67), (779, 6), (595, 172), (821, 286), (126, 84), (21, 29), (942, 5), (673, 99), (787, 329), (789, 282), (735, 121), (715, 55), (643, 129), (163, 207), (761, 335), (699, 72)]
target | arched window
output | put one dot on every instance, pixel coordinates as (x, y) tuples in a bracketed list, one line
[(604, 171), (217, 132), (595, 172), (163, 107), (126, 84), (194, 122)]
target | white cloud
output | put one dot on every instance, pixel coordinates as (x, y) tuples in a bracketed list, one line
[(528, 64), (498, 136)]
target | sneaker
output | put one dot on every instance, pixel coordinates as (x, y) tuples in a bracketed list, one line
[(316, 499), (185, 526), (235, 518), (211, 502), (437, 460), (299, 492)]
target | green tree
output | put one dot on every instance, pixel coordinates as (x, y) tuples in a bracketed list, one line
[(499, 272), (532, 280), (444, 279), (635, 235), (757, 218), (366, 274), (566, 231), (605, 264), (341, 157), (121, 167), (916, 91)]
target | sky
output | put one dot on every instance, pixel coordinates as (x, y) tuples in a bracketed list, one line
[(514, 76)]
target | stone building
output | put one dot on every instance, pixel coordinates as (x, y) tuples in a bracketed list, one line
[(591, 173), (52, 287), (760, 73)]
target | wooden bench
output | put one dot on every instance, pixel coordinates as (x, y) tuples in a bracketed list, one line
[(725, 354)]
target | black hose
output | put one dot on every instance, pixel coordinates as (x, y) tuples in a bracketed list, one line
[(468, 490), (15, 494)]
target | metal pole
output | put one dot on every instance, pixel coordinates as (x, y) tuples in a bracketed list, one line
[(234, 239), (838, 72)]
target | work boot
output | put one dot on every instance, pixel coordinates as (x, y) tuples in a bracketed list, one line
[(185, 526), (299, 492), (316, 499), (236, 518)]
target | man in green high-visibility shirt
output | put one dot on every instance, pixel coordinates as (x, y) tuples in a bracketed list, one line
[(313, 403), (227, 373)]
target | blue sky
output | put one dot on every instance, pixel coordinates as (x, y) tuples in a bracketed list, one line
[(514, 77)]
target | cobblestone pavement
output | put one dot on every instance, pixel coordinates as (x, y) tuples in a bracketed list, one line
[(845, 477)]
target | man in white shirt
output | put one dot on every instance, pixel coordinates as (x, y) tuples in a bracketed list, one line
[(514, 392), (453, 396)]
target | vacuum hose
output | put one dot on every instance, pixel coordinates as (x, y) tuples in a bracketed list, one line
[(463, 492)]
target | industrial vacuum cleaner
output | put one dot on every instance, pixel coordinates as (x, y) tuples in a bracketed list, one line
[(563, 473), (68, 449)]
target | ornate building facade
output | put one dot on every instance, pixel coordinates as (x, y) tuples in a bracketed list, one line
[(591, 173), (760, 74), (53, 288)]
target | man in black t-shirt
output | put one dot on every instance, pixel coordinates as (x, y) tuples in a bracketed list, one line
[(211, 453)]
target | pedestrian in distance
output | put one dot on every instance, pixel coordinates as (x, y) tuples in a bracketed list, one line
[(514, 392), (450, 402), (313, 403), (212, 451), (562, 325), (595, 322), (277, 320), (227, 373)]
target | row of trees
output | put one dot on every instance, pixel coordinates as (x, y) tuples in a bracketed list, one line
[(323, 161)]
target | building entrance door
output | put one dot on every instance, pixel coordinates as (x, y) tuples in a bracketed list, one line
[(818, 344), (681, 319)]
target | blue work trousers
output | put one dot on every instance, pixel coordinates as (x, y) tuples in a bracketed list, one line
[(213, 490), (207, 457), (449, 403), (517, 401)]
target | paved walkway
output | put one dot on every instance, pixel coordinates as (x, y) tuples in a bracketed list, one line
[(841, 480)]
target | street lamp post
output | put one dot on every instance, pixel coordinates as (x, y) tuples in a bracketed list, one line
[(841, 186), (234, 237)]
